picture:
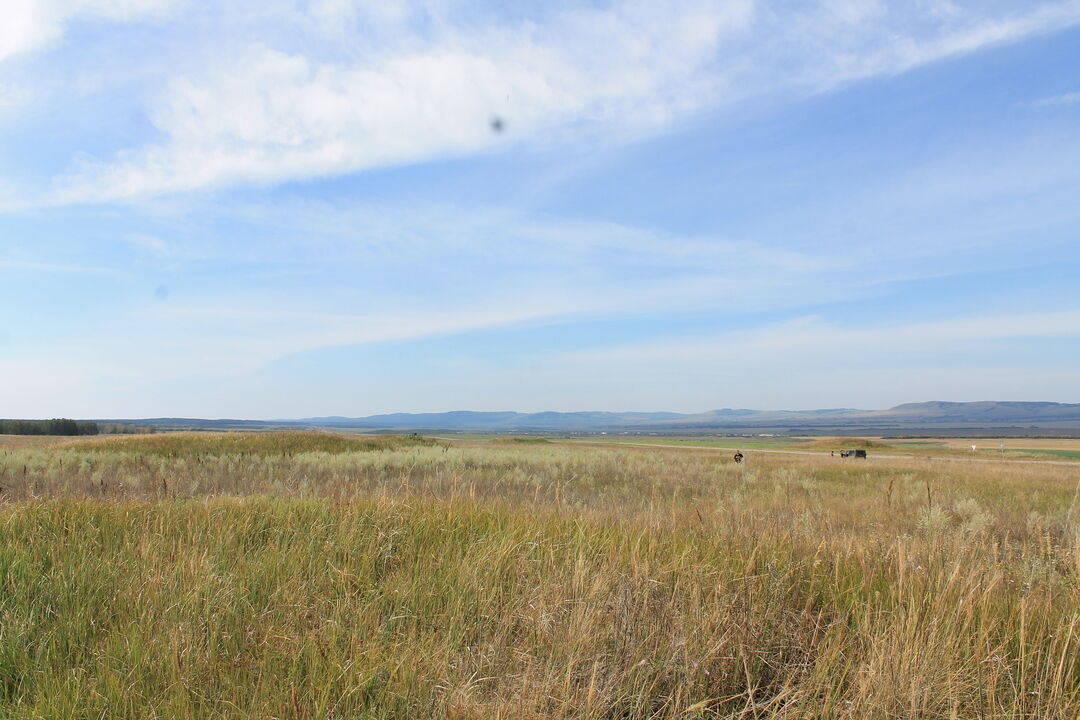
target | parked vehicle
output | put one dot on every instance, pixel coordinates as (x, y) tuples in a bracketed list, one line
[(853, 453)]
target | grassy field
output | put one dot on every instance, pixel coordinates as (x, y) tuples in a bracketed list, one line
[(193, 445), (292, 576), (1063, 454), (700, 441), (986, 448), (1027, 443)]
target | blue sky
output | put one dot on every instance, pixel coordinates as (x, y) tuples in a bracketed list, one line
[(278, 208)]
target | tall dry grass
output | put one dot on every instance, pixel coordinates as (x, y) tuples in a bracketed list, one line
[(532, 581)]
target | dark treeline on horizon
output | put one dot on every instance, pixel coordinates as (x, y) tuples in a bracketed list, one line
[(56, 426)]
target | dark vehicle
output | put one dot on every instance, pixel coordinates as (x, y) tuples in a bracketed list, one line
[(853, 453)]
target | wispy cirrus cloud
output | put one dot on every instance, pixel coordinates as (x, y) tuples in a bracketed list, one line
[(653, 276), (50, 267), (429, 78), (149, 244), (811, 361), (1069, 98), (812, 336), (270, 115)]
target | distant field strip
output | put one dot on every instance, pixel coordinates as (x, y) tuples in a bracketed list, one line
[(1048, 451), (883, 456)]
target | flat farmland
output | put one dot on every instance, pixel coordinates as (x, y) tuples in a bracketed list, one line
[(995, 443), (1060, 449), (317, 576)]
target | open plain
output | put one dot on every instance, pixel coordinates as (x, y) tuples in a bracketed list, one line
[(303, 575), (998, 448)]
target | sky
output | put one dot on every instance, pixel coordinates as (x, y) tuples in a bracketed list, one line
[(289, 208)]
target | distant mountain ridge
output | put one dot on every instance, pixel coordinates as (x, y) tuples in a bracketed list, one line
[(475, 420), (936, 413), (981, 412), (997, 411)]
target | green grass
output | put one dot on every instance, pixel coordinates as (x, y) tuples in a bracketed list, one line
[(1070, 454), (843, 443), (533, 581)]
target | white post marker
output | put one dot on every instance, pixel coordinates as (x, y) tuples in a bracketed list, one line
[(972, 449)]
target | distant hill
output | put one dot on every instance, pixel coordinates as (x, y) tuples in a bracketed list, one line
[(986, 412), (1003, 414), (471, 420)]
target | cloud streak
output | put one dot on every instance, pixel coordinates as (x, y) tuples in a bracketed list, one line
[(267, 115), (1070, 98), (271, 115), (48, 267), (812, 337)]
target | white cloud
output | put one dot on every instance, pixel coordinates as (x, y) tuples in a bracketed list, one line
[(806, 362), (208, 339), (550, 273), (149, 244), (30, 25), (270, 115), (402, 92), (1069, 98), (48, 267), (13, 95), (27, 25), (246, 341), (888, 41), (812, 337)]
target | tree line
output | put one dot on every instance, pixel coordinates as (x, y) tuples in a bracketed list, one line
[(56, 426), (122, 429)]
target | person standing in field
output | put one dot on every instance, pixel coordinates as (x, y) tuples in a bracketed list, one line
[(738, 457)]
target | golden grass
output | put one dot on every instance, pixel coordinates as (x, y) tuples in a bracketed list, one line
[(534, 582), (22, 442), (192, 444)]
